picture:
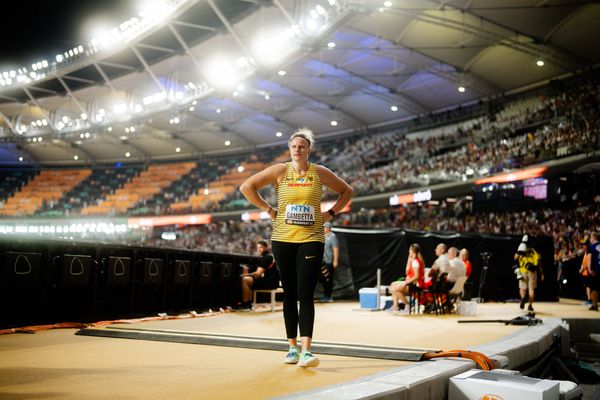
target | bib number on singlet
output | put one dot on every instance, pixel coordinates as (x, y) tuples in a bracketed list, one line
[(299, 214)]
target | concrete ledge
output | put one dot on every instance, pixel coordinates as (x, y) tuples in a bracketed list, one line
[(430, 379), (524, 345)]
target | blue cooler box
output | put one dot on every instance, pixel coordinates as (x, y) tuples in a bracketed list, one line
[(368, 297)]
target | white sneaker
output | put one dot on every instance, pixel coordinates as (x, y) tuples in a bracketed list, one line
[(308, 360), (292, 357)]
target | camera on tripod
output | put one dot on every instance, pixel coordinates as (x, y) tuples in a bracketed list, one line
[(486, 256)]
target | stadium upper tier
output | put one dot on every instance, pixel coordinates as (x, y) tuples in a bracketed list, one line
[(191, 78), (526, 131)]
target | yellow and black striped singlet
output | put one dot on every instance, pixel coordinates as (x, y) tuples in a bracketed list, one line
[(299, 217)]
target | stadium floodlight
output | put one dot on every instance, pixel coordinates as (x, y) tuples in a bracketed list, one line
[(311, 25), (221, 73), (20, 158), (281, 73), (120, 108), (278, 134), (242, 62), (394, 108), (127, 154), (540, 63), (270, 45), (334, 123), (331, 45), (227, 142), (153, 10), (461, 89)]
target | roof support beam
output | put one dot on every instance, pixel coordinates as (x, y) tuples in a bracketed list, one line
[(115, 65), (561, 60), (225, 22), (72, 96), (8, 98), (77, 79), (147, 67), (42, 90), (153, 47), (329, 106), (196, 26), (393, 93), (188, 51), (106, 80), (10, 125), (43, 110)]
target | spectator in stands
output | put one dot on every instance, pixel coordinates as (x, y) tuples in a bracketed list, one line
[(529, 263), (464, 256), (457, 267), (415, 275), (298, 237), (594, 268), (331, 256), (263, 276)]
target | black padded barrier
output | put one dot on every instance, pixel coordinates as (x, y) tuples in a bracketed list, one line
[(50, 281), (119, 270)]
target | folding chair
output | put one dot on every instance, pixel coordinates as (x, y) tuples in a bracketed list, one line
[(455, 293), (414, 298)]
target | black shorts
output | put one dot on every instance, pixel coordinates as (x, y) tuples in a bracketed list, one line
[(265, 284)]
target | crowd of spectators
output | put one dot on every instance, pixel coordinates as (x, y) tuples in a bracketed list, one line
[(523, 132), (568, 228)]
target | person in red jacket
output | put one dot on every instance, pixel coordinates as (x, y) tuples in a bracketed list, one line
[(464, 256)]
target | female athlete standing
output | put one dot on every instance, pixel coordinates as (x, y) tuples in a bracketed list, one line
[(298, 237)]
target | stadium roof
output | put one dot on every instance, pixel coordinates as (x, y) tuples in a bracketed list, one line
[(184, 79)]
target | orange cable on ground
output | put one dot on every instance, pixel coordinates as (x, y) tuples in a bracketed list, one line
[(81, 325), (483, 361)]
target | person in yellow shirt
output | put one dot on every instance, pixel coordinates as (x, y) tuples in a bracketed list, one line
[(529, 261), (298, 237), (585, 274)]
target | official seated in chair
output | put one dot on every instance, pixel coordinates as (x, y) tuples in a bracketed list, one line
[(441, 265), (415, 275), (456, 267), (264, 276), (438, 274)]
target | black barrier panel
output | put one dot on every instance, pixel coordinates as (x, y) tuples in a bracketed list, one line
[(23, 269), (227, 271), (119, 270), (153, 271), (182, 272), (77, 270), (205, 272), (364, 251)]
